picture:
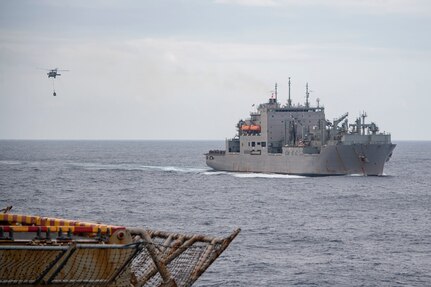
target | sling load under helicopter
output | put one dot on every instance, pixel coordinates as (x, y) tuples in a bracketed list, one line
[(53, 73)]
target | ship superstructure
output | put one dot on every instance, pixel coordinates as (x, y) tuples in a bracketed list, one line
[(298, 139)]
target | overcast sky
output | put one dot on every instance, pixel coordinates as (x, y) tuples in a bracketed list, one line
[(190, 69)]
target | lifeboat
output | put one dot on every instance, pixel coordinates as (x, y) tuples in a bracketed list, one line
[(251, 128), (255, 128), (245, 128)]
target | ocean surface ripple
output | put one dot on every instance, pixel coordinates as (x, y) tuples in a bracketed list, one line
[(296, 231)]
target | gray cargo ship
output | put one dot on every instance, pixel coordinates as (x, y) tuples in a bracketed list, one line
[(297, 139)]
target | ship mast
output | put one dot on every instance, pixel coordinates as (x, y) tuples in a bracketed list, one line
[(289, 101), (307, 95), (364, 115)]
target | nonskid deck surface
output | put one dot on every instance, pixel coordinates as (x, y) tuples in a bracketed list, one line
[(72, 253)]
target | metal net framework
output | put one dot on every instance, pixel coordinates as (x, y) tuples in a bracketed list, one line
[(97, 258)]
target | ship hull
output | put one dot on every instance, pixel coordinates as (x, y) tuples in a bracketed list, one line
[(340, 159)]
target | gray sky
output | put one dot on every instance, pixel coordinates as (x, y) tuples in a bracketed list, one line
[(190, 69)]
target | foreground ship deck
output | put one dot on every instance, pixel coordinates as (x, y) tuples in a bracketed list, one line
[(298, 139), (38, 251)]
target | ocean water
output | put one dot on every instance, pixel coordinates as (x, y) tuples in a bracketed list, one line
[(296, 231)]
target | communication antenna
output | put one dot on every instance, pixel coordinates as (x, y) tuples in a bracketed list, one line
[(275, 92), (289, 101)]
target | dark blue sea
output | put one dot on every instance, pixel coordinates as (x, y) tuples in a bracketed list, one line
[(296, 231)]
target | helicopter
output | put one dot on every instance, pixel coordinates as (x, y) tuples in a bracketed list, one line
[(53, 73)]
